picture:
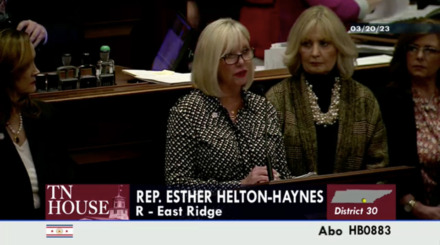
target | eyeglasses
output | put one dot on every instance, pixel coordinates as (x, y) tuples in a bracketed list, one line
[(427, 50), (231, 59)]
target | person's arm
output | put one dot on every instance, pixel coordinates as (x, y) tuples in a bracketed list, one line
[(36, 32), (418, 209), (275, 96), (377, 152), (257, 175), (277, 150), (192, 13)]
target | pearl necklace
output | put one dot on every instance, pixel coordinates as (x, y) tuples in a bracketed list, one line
[(16, 133), (331, 116)]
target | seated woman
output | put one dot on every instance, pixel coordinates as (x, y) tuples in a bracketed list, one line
[(410, 108), (330, 122), (221, 135), (31, 156)]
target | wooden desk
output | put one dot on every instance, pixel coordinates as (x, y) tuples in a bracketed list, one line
[(362, 38), (125, 88), (389, 174), (117, 134)]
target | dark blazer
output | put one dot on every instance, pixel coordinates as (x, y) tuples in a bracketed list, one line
[(398, 115), (361, 143), (397, 109), (52, 164)]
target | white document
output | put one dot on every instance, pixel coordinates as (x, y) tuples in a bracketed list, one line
[(164, 77), (374, 60), (390, 11), (387, 9), (306, 175), (273, 57), (375, 49)]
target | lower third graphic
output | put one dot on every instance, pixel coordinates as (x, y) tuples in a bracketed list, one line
[(361, 202)]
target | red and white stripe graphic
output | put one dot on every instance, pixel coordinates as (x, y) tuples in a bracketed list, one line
[(59, 231)]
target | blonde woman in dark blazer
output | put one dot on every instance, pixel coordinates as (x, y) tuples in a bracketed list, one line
[(330, 122)]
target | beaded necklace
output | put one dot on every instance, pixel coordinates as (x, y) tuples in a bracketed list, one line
[(16, 134), (331, 116)]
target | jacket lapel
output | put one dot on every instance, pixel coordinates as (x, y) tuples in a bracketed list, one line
[(306, 127)]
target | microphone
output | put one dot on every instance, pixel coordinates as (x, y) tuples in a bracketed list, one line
[(269, 170)]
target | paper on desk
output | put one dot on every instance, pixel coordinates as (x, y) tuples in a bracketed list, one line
[(305, 175), (409, 12), (375, 49), (165, 76), (374, 60), (388, 8), (260, 68)]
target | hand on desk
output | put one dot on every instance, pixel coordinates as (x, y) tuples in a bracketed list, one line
[(259, 175), (426, 212), (36, 32), (420, 210)]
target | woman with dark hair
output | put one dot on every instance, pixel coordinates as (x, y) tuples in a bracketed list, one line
[(31, 156), (411, 111)]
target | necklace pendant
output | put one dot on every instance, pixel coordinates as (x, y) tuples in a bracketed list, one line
[(16, 133)]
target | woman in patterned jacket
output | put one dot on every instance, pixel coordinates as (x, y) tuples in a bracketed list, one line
[(330, 122), (221, 135)]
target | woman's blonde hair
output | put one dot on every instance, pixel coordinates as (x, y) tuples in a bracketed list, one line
[(217, 39), (333, 29)]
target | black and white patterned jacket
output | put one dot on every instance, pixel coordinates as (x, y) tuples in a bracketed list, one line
[(205, 149)]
